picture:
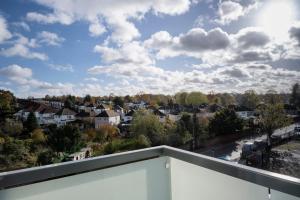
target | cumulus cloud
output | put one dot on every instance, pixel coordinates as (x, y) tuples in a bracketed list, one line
[(4, 32), (118, 15), (252, 37), (22, 47), (49, 38), (231, 10), (16, 71), (295, 33), (128, 53), (198, 39)]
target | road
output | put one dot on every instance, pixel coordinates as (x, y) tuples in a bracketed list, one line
[(232, 151)]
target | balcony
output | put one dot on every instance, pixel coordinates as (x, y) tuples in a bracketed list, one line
[(159, 173)]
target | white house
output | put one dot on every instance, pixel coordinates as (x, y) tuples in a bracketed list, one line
[(63, 116), (99, 109), (82, 154), (43, 113), (161, 116), (245, 114), (128, 116), (107, 117)]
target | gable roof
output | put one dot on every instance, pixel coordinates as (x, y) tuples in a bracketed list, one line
[(83, 114), (40, 108), (65, 111), (130, 113), (108, 113), (103, 106)]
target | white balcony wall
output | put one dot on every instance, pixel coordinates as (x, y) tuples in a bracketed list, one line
[(191, 182), (145, 180), (275, 195)]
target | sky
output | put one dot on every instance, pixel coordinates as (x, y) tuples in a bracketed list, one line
[(120, 47)]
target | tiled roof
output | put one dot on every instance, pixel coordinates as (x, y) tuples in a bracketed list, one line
[(108, 113), (65, 111)]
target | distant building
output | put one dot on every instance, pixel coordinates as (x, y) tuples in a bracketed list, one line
[(128, 116), (107, 117), (82, 154), (64, 115)]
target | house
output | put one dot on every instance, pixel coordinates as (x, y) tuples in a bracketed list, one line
[(245, 114), (56, 104), (107, 117), (101, 108), (64, 115), (161, 116), (120, 110), (82, 154), (85, 116), (128, 116), (90, 107), (43, 113)]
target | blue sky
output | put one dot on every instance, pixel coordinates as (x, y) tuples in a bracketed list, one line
[(100, 47)]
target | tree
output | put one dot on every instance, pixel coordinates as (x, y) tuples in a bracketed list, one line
[(107, 133), (31, 123), (45, 158), (147, 124), (181, 97), (70, 101), (227, 99), (12, 127), (118, 101), (64, 139), (87, 98), (272, 117), (225, 122), (196, 98), (7, 103), (38, 136), (295, 96), (271, 97), (250, 100)]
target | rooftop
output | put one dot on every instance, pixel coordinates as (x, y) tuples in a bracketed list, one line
[(157, 173)]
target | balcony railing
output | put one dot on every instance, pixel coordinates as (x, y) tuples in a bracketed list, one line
[(158, 173)]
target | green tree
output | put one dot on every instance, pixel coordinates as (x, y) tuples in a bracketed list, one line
[(45, 158), (250, 100), (271, 97), (87, 98), (227, 99), (146, 123), (38, 136), (225, 122), (31, 123), (7, 103), (118, 101), (196, 98), (181, 97), (70, 101), (64, 139), (295, 96), (12, 127), (272, 117)]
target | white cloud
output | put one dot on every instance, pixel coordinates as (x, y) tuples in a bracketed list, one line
[(91, 79), (22, 47), (23, 25), (4, 32), (128, 53), (67, 68), (231, 10), (49, 38), (16, 71), (118, 15)]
